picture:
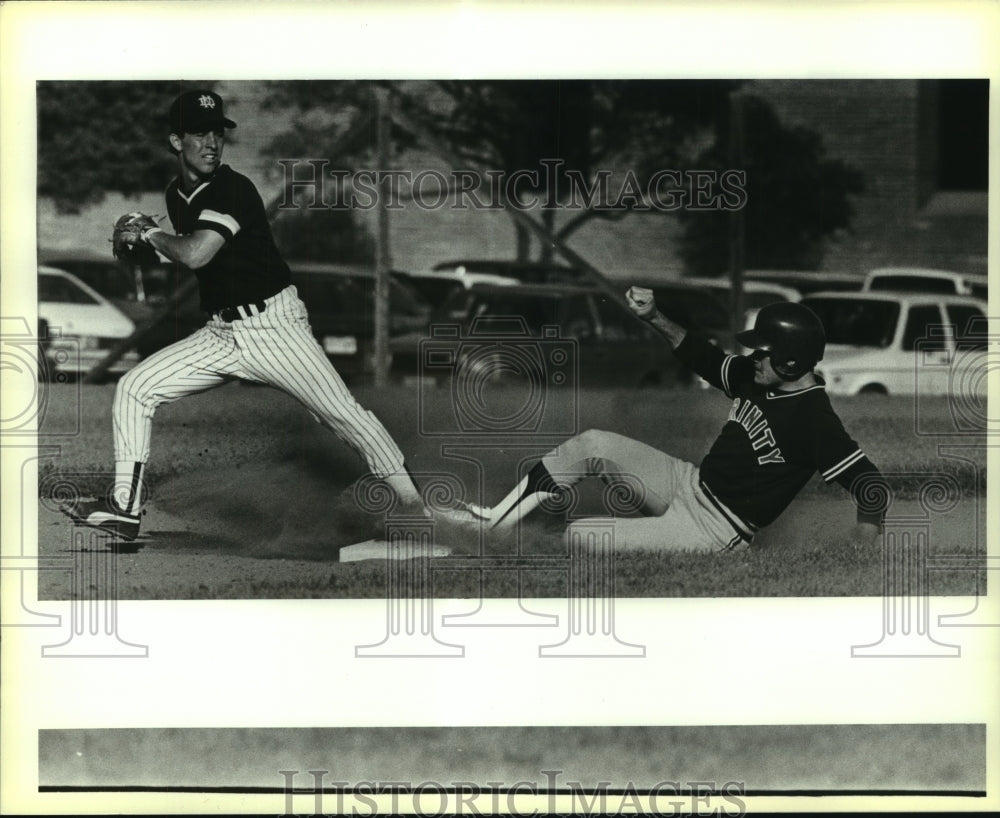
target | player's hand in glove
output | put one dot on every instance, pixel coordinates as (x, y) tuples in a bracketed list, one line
[(640, 301), (130, 239)]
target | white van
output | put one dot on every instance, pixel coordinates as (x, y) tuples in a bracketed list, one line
[(902, 343)]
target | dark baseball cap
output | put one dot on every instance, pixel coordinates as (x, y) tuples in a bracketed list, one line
[(197, 111)]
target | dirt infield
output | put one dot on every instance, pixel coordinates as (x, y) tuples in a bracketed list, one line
[(251, 499), (180, 557)]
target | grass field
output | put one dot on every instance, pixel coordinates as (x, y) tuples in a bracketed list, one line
[(251, 493), (250, 499)]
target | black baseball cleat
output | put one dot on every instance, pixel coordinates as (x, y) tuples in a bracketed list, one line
[(105, 516)]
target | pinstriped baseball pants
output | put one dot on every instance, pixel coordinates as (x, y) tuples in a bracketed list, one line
[(276, 348)]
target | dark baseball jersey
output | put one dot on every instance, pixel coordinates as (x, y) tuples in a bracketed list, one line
[(774, 441), (248, 268)]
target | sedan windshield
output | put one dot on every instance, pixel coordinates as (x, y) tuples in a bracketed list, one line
[(856, 322), (60, 290)]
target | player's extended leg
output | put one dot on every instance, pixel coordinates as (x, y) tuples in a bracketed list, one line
[(641, 471), (194, 364), (279, 348), (692, 523), (203, 360)]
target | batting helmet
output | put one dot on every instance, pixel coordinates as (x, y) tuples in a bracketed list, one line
[(792, 334)]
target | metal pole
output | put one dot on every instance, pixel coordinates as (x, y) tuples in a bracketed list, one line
[(382, 256), (613, 290), (736, 221)]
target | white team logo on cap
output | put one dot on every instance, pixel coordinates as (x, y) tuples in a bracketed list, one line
[(205, 101)]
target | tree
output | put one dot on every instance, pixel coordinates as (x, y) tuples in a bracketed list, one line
[(513, 125), (318, 235), (99, 136), (796, 197)]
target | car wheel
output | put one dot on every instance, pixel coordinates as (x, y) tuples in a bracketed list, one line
[(873, 389)]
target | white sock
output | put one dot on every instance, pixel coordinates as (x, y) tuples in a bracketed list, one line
[(406, 489)]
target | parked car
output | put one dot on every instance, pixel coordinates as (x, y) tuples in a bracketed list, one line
[(141, 297), (341, 304), (808, 281), (82, 325), (436, 287), (756, 294), (695, 308), (134, 292), (900, 343), (527, 272), (612, 346), (923, 280)]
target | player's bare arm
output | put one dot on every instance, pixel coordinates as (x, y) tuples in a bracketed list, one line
[(640, 301), (199, 156), (193, 251)]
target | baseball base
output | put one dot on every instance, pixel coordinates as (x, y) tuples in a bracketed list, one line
[(381, 550)]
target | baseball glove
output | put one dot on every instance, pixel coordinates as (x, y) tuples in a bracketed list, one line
[(127, 242)]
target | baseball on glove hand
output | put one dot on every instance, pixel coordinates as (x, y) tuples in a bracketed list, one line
[(127, 241)]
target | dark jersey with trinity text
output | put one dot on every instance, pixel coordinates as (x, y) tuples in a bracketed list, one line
[(773, 442), (248, 268)]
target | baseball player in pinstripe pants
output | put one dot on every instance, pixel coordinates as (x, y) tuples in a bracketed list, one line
[(258, 331)]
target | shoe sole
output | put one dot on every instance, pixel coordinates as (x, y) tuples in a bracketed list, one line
[(122, 529)]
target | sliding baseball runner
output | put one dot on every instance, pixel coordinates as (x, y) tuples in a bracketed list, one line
[(258, 330), (780, 431)]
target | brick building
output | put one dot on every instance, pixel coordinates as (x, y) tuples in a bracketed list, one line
[(921, 145)]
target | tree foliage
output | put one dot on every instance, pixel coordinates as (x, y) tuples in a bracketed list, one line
[(588, 125), (95, 137), (512, 125), (323, 235), (796, 197)]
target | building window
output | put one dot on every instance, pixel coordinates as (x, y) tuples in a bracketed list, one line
[(963, 134), (953, 155)]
